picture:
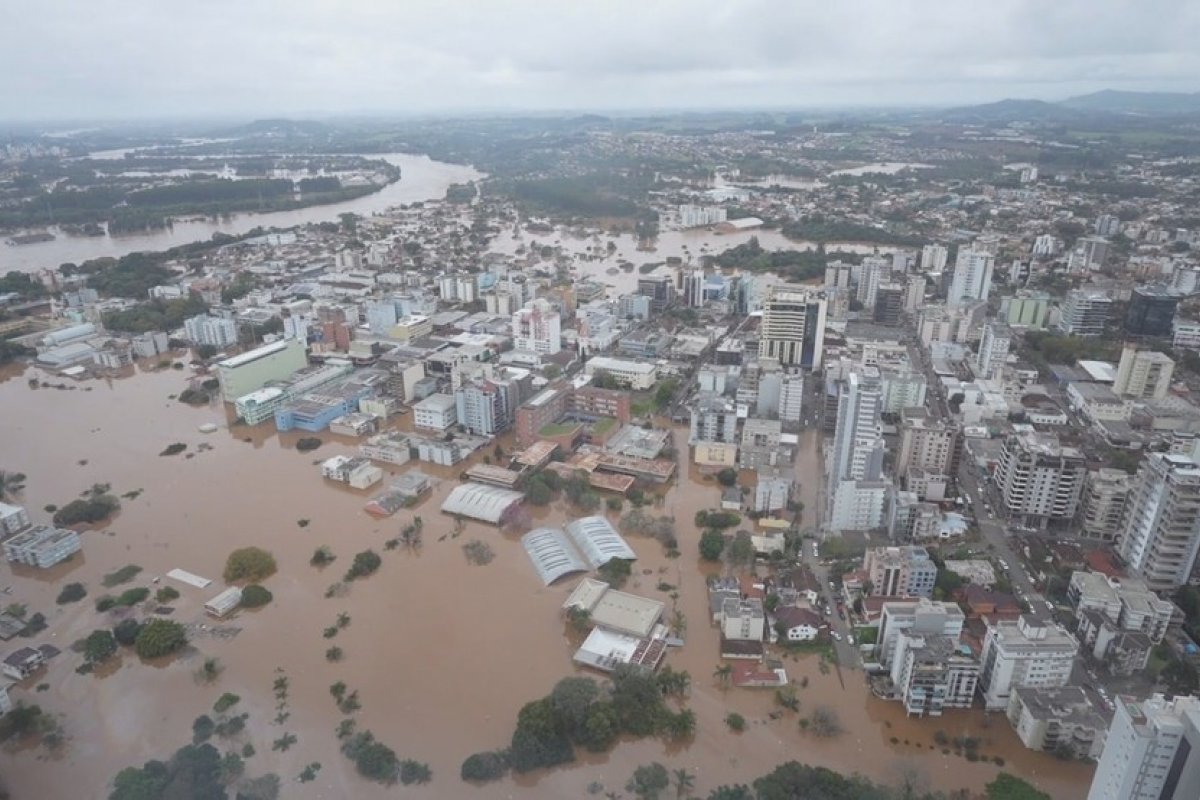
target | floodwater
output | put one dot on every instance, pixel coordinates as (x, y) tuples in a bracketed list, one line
[(442, 653), (882, 168), (421, 179)]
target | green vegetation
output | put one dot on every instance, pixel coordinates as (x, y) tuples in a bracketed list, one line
[(649, 781), (123, 575), (334, 654), (718, 520), (486, 766), (551, 429), (175, 448), (735, 721), (225, 702), (308, 443), (378, 762), (712, 544), (166, 594), (71, 593), (249, 564), (1044, 348), (126, 632), (616, 572), (255, 596), (159, 637), (365, 564), (91, 509), (156, 315), (478, 553), (99, 646), (818, 228), (131, 597), (194, 771), (322, 556), (1010, 787), (727, 477)]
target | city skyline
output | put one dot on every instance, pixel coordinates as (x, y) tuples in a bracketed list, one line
[(137, 61)]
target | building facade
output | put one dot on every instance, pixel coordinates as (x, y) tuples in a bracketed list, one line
[(1152, 751)]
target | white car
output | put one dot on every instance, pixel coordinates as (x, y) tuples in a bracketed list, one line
[(1049, 605), (837, 637)]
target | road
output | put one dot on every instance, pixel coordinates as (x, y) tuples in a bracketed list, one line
[(974, 489)]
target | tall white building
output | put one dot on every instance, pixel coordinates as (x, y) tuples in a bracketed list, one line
[(918, 617), (933, 258), (1039, 479), (972, 277), (1161, 534), (857, 465), (1152, 751), (214, 331), (1024, 652), (537, 328), (791, 398), (693, 287), (1102, 506), (1143, 373), (793, 326), (914, 293), (1085, 312), (993, 349), (873, 271), (700, 216)]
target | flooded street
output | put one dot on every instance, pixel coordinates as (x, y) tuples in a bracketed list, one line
[(442, 653)]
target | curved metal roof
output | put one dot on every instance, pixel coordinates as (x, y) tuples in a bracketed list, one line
[(599, 541), (552, 554), (474, 500)]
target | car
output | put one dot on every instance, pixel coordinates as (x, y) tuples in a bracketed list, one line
[(1004, 565), (1049, 605), (837, 637)]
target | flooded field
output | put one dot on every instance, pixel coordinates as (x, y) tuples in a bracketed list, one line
[(442, 653)]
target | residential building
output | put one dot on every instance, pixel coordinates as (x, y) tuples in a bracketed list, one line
[(537, 327), (254, 369), (638, 375), (927, 444), (693, 287), (972, 277), (357, 471), (1039, 479), (914, 293), (856, 496), (410, 328), (993, 350), (713, 419), (151, 344), (743, 620), (793, 326), (772, 491), (1145, 374), (1024, 652), (795, 624), (1152, 751), (917, 617), (217, 332), (931, 673), (871, 273), (761, 445), (22, 663), (900, 571), (902, 388), (1085, 312), (1060, 720), (791, 398), (633, 306), (1026, 310), (484, 407), (1097, 403), (438, 413), (42, 546), (889, 303), (1161, 529), (691, 216), (12, 519), (1102, 505), (934, 258)]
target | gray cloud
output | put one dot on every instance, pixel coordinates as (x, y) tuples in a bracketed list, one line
[(124, 58)]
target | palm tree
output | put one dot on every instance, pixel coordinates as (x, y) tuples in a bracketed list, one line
[(723, 674), (11, 484), (684, 782)]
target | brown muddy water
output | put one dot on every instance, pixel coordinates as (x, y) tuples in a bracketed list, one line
[(442, 653)]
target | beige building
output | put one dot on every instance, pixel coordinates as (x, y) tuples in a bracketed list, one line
[(927, 444), (1060, 720), (1143, 373), (1103, 503), (254, 369)]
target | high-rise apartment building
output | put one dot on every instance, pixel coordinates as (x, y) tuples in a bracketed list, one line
[(856, 497), (1039, 479), (993, 349), (900, 571), (1152, 751), (537, 328), (931, 673), (873, 271), (1085, 312), (213, 331), (693, 287), (933, 258), (659, 288), (1024, 652), (972, 277), (1102, 506), (917, 617), (1143, 373), (1161, 533), (927, 444), (793, 326)]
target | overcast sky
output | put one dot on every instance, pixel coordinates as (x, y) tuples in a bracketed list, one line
[(78, 59)]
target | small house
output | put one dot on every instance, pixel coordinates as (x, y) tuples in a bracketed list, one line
[(20, 664), (224, 603)]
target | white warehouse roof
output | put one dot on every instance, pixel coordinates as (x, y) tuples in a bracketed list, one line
[(599, 541), (552, 555), (485, 503)]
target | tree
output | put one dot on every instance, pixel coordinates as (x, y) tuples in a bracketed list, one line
[(249, 564), (373, 759), (681, 725), (552, 371), (738, 792), (727, 476), (684, 782), (537, 492), (823, 722), (71, 593), (571, 698), (364, 564), (99, 646), (486, 766), (255, 596), (160, 637), (616, 571), (735, 721), (540, 739), (741, 550), (648, 781), (126, 631), (712, 544), (724, 674), (1010, 787)]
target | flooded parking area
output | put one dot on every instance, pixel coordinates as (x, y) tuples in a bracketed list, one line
[(442, 652)]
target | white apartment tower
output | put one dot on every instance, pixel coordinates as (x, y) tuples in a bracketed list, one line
[(1145, 374), (1152, 751), (793, 326), (1039, 479), (972, 277), (213, 331), (537, 328), (926, 444), (993, 349), (933, 258), (1085, 312), (1161, 532), (872, 272), (1024, 652), (855, 500)]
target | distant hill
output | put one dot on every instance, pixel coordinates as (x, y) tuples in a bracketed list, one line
[(1153, 103), (1012, 109)]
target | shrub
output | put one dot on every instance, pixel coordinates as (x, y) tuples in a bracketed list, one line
[(616, 572), (177, 447), (123, 575), (308, 443), (735, 721), (225, 702), (160, 637), (126, 631), (71, 593), (131, 597), (105, 603), (712, 544), (486, 766), (373, 759), (333, 654), (99, 646), (255, 596), (202, 729), (94, 508), (249, 564), (166, 594), (364, 564), (414, 772), (478, 553), (322, 556)]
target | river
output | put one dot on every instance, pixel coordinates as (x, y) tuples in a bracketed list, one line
[(421, 179), (442, 653)]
